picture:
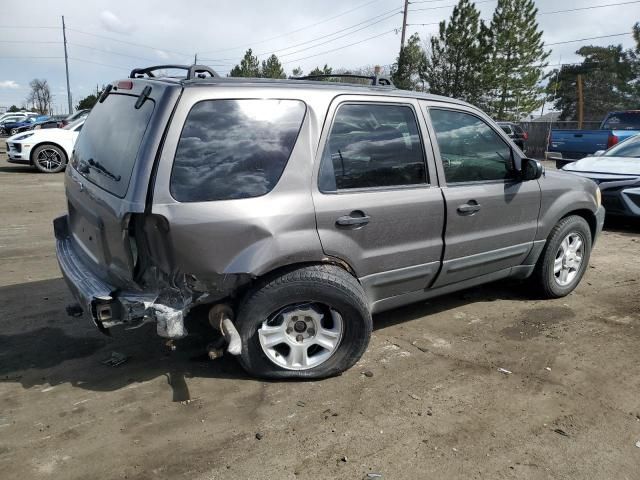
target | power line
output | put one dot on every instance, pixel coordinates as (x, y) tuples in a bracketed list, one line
[(339, 37), (342, 47), (588, 38), (112, 53), (587, 8), (293, 31), (393, 12), (27, 41), (445, 6), (22, 27), (129, 43)]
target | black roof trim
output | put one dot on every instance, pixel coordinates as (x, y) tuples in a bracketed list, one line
[(375, 79), (193, 71)]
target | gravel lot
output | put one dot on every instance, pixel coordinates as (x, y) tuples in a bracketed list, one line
[(431, 405)]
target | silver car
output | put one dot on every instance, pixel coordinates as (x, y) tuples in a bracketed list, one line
[(296, 209)]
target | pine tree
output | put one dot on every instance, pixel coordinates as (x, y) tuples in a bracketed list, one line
[(272, 68), (518, 56), (249, 66), (408, 71), (297, 72), (326, 70), (458, 55), (607, 77)]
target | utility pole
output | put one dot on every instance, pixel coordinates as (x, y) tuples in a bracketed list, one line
[(580, 103), (195, 59), (404, 23), (66, 66)]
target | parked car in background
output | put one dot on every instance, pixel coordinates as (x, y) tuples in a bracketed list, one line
[(515, 132), (21, 114), (617, 172), (48, 150), (358, 199), (51, 123), (11, 119), (73, 117), (16, 127), (566, 146)]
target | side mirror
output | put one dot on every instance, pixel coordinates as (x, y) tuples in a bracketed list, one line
[(531, 169)]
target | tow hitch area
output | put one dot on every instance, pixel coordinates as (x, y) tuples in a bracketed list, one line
[(221, 318)]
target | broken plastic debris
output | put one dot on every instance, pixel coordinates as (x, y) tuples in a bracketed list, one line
[(115, 359), (373, 475), (638, 444), (505, 371), (547, 369)]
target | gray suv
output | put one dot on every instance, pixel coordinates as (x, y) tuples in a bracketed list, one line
[(296, 209)]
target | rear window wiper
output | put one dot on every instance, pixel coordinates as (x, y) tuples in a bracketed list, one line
[(85, 166)]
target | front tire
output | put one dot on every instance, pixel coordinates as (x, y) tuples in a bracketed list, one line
[(310, 322), (565, 257), (49, 159)]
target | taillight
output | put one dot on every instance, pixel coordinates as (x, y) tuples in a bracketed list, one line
[(613, 139), (525, 136), (125, 84)]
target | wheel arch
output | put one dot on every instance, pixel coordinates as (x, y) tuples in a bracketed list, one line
[(48, 142), (588, 215)]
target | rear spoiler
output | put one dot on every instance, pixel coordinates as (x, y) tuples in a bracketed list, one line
[(193, 71)]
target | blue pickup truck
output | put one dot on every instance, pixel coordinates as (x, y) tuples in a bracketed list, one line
[(566, 146)]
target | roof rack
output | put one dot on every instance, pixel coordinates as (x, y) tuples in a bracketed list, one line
[(193, 71), (375, 79)]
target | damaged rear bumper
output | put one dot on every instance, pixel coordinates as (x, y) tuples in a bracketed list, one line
[(109, 305)]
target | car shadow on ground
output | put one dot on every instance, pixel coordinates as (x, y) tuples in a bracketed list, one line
[(623, 225), (17, 169), (40, 344)]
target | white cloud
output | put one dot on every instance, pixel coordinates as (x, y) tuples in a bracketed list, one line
[(9, 84), (110, 21)]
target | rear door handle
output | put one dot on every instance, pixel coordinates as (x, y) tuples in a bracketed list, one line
[(469, 208), (357, 218)]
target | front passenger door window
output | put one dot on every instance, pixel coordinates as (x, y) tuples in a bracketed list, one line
[(471, 151)]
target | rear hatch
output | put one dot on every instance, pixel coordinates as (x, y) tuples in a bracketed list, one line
[(110, 171)]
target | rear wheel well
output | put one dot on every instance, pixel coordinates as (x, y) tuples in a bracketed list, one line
[(33, 149), (589, 216)]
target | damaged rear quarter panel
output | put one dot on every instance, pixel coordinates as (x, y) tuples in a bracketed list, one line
[(244, 236)]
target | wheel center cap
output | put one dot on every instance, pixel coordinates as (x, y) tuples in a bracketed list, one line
[(300, 326)]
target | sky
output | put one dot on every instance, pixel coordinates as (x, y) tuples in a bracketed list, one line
[(107, 39)]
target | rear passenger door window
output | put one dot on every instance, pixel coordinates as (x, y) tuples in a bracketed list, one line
[(471, 151), (372, 146), (231, 149)]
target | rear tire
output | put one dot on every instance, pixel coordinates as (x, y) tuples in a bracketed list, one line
[(565, 257), (49, 158), (336, 334)]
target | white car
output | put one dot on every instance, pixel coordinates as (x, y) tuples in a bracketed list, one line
[(48, 150), (617, 173)]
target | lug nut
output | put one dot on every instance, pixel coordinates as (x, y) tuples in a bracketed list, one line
[(311, 332), (299, 338), (289, 329)]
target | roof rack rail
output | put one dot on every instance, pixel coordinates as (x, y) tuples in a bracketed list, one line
[(375, 79), (193, 71)]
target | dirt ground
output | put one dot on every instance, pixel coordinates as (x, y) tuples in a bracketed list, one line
[(432, 405)]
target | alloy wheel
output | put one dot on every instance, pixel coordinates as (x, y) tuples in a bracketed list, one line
[(568, 259), (49, 159), (301, 336)]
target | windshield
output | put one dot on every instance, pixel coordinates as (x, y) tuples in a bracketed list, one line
[(622, 121), (628, 148), (73, 125), (106, 151)]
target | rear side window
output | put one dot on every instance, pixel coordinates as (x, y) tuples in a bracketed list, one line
[(372, 145), (232, 149), (106, 151)]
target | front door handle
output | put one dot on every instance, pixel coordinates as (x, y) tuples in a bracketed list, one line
[(469, 208), (357, 218)]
